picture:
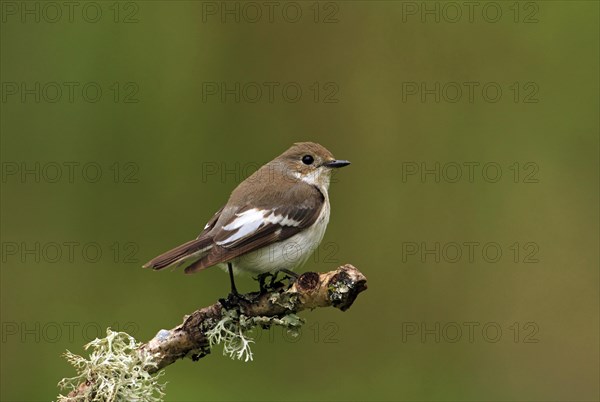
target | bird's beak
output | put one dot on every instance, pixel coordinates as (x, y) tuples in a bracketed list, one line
[(337, 163)]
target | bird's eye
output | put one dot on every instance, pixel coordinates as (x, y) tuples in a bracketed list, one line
[(307, 160)]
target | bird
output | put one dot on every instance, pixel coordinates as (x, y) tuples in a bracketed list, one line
[(273, 220)]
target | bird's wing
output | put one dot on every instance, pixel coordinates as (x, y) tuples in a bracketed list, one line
[(188, 251), (211, 223), (255, 226)]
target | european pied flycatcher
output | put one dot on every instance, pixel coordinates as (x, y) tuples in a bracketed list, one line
[(273, 220)]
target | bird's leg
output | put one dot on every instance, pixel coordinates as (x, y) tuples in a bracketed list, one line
[(232, 280), (262, 279), (235, 298)]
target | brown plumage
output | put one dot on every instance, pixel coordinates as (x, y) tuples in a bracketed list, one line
[(280, 200)]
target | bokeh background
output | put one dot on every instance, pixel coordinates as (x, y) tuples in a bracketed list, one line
[(171, 143)]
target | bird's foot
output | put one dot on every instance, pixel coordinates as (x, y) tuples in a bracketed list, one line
[(262, 281), (268, 282), (235, 299)]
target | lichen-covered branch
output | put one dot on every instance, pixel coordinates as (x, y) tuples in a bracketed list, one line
[(227, 320)]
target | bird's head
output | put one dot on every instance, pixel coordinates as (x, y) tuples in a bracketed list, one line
[(309, 162)]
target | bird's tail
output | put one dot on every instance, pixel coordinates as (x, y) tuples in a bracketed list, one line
[(187, 252)]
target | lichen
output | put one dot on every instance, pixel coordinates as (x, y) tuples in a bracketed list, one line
[(115, 370), (233, 331), (340, 287), (286, 300), (229, 331)]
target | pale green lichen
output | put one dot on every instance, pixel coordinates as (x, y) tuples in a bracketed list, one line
[(115, 370), (229, 331), (233, 329), (286, 300), (338, 290)]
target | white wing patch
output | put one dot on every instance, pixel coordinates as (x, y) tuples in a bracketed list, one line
[(281, 220), (251, 220), (246, 222)]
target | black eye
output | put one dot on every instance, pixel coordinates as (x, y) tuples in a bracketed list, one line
[(307, 160)]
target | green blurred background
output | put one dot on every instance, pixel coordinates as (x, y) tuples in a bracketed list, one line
[(170, 152)]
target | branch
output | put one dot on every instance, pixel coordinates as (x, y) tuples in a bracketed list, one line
[(192, 338)]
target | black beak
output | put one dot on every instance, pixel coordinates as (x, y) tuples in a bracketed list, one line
[(337, 163)]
